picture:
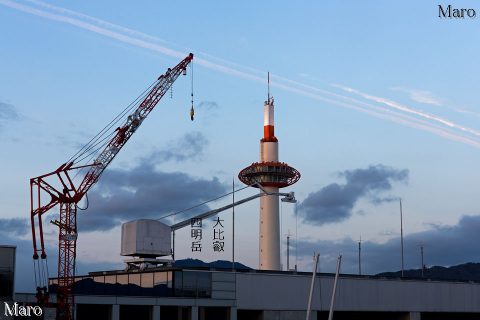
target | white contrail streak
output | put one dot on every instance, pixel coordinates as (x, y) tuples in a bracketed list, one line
[(143, 40), (99, 22), (398, 106)]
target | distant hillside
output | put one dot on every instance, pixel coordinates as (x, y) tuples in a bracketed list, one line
[(464, 272), (219, 264)]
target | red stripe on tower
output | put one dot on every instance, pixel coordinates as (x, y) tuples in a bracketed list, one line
[(268, 122)]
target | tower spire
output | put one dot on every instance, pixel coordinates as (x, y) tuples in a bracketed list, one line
[(268, 87)]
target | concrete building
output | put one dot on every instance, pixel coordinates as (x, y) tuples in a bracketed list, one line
[(200, 294), (7, 276), (7, 272)]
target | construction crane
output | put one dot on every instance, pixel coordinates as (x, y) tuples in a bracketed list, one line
[(62, 190)]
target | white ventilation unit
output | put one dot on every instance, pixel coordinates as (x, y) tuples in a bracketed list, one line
[(146, 238)]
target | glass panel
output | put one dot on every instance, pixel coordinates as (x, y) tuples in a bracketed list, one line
[(204, 284), (160, 278), (178, 283), (160, 284), (112, 279), (98, 284), (78, 286), (134, 287), (169, 280), (111, 286), (134, 278), (147, 280), (203, 279), (122, 280), (190, 284)]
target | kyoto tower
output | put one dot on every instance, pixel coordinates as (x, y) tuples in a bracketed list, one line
[(271, 175)]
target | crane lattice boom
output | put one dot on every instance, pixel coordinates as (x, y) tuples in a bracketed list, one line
[(67, 195)]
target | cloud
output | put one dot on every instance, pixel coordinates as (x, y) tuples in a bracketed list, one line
[(380, 200), (334, 202), (14, 226), (421, 96), (208, 105), (443, 245), (143, 192), (7, 113), (402, 115), (403, 108), (189, 147)]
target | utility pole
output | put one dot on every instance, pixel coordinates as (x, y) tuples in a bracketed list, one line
[(233, 224), (423, 265), (401, 233), (296, 236), (288, 250), (360, 256)]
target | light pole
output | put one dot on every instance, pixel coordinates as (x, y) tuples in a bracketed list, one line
[(401, 233)]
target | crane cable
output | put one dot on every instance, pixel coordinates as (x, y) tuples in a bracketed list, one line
[(93, 141), (35, 272), (115, 120), (192, 111), (102, 134), (86, 206), (201, 204)]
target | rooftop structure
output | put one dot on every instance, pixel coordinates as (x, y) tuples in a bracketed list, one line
[(214, 294)]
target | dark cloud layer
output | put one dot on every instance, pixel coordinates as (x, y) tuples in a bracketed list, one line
[(443, 245), (14, 226), (144, 192), (189, 147), (334, 202)]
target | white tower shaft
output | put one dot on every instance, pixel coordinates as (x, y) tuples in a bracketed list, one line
[(271, 175), (269, 242)]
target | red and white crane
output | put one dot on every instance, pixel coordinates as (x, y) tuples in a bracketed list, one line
[(60, 189)]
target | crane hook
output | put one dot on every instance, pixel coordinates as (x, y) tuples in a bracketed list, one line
[(192, 113)]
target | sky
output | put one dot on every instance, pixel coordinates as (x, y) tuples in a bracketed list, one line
[(374, 101)]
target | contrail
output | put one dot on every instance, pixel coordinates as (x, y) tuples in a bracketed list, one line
[(395, 105), (99, 22), (143, 40)]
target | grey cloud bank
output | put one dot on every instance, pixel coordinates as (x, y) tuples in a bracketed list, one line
[(334, 202), (444, 245)]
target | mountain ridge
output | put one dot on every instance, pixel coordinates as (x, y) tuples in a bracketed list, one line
[(469, 271)]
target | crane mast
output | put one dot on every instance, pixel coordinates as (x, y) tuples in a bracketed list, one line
[(67, 195)]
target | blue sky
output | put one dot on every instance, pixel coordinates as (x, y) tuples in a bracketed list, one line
[(363, 89)]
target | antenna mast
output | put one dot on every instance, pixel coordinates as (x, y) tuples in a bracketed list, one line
[(401, 232), (360, 256), (268, 86)]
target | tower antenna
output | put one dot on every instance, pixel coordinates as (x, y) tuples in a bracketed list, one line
[(268, 86)]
